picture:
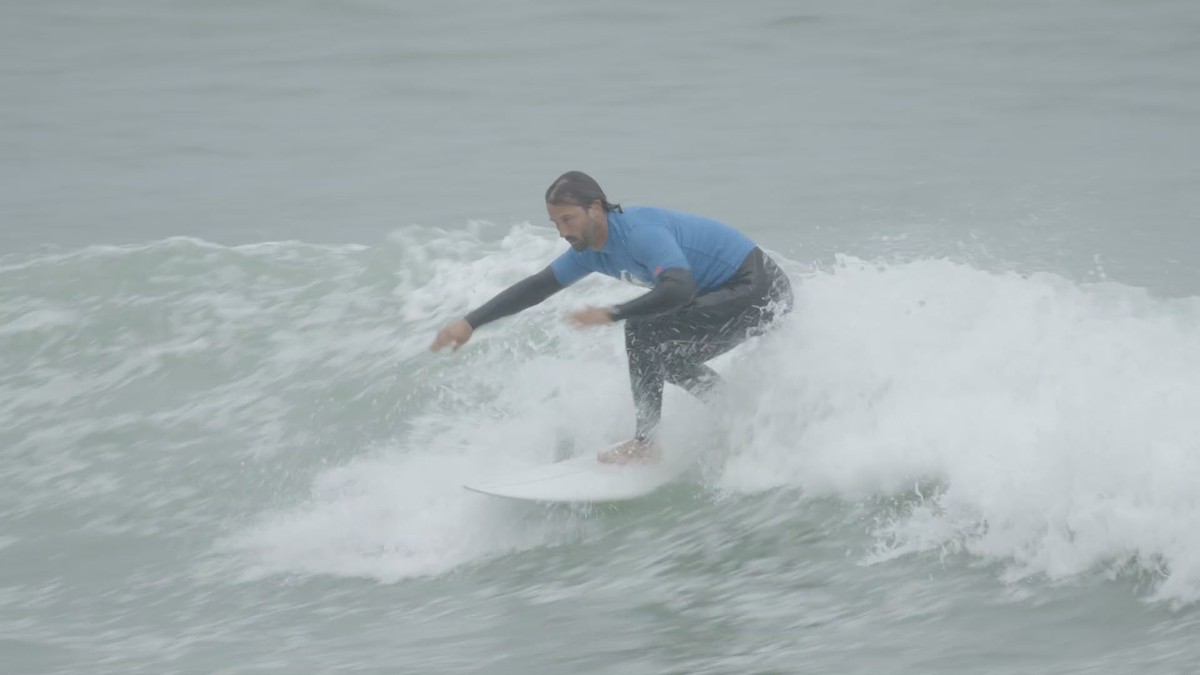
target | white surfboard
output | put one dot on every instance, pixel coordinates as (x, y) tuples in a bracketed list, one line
[(582, 479)]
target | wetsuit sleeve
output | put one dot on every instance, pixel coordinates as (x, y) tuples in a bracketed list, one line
[(674, 285), (673, 289), (569, 268), (521, 295)]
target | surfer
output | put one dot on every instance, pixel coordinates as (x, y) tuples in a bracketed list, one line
[(710, 286)]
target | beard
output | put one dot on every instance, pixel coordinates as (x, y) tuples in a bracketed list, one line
[(586, 237)]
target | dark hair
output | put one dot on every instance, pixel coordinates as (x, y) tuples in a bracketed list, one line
[(578, 189)]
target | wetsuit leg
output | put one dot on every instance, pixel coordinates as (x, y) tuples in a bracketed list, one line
[(674, 347)]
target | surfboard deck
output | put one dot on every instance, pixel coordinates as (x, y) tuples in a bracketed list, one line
[(582, 479)]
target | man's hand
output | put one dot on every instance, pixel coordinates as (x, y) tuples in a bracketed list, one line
[(592, 316), (456, 334)]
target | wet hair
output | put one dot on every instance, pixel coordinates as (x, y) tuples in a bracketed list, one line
[(576, 188)]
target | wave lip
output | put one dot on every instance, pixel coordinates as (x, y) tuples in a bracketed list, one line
[(1031, 420)]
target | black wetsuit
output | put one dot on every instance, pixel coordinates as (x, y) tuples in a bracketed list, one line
[(674, 346), (672, 331)]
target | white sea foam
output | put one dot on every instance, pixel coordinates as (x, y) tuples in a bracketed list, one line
[(1038, 422)]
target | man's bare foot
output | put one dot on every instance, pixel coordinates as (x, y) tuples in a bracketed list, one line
[(633, 450)]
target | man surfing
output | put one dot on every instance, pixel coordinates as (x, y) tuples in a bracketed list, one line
[(711, 288)]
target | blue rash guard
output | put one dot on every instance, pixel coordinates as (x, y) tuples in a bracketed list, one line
[(676, 254), (644, 241)]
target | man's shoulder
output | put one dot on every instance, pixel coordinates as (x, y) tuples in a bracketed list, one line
[(644, 223), (640, 214), (570, 256), (584, 256), (657, 215)]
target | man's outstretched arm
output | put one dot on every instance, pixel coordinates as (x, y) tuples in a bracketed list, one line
[(520, 296)]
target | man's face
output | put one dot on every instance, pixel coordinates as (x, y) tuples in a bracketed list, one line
[(579, 226)]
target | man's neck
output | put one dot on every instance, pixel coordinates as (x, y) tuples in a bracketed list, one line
[(603, 234)]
